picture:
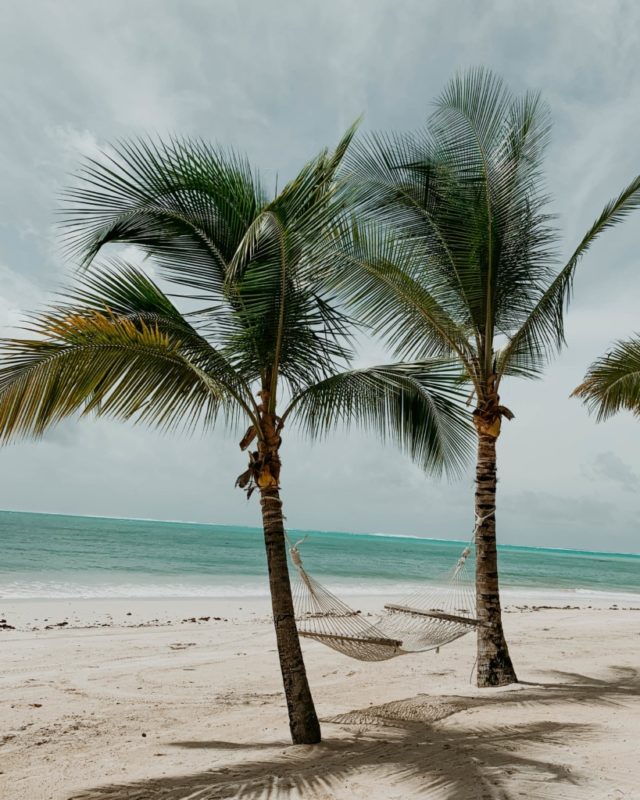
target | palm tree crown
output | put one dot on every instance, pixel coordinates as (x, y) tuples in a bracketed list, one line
[(469, 259), (252, 276)]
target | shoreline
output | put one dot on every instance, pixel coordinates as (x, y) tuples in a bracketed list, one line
[(364, 591), (27, 614)]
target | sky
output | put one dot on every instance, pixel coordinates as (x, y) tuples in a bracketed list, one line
[(279, 81)]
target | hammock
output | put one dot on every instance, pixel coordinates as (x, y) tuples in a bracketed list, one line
[(423, 621)]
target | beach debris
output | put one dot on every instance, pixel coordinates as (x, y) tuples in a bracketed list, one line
[(4, 625), (182, 645)]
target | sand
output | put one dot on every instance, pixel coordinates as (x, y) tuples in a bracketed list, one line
[(142, 709)]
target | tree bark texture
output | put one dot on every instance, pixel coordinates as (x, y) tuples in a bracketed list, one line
[(494, 663), (303, 721)]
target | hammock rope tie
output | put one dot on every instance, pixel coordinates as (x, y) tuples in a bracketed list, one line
[(423, 621)]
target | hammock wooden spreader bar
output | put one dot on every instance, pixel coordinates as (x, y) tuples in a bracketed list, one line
[(434, 614), (343, 638)]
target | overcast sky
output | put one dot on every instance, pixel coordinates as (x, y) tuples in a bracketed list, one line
[(279, 80)]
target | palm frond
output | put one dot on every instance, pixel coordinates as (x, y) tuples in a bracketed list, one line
[(612, 382), (92, 362), (185, 203), (542, 333), (380, 278), (120, 289), (418, 406)]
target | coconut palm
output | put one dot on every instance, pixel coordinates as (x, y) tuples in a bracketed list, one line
[(612, 382), (257, 339), (467, 270)]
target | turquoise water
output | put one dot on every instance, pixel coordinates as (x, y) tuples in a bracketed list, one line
[(47, 556)]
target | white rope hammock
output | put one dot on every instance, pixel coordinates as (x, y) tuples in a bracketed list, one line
[(423, 621)]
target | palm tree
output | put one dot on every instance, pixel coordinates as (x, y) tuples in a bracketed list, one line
[(258, 340), (467, 270), (612, 382)]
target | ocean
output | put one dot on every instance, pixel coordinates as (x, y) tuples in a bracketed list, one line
[(47, 556)]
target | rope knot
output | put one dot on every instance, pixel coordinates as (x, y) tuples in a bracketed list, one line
[(294, 552)]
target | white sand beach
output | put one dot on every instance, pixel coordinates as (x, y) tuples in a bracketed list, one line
[(174, 709)]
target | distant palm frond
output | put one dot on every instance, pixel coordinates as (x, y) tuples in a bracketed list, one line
[(612, 383)]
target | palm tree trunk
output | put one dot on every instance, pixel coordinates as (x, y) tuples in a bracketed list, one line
[(303, 721), (494, 663)]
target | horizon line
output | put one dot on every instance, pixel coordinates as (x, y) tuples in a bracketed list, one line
[(314, 530)]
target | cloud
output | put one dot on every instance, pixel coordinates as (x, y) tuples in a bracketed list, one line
[(611, 467), (560, 510), (16, 294)]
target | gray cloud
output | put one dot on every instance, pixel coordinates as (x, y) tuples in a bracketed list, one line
[(280, 80), (545, 508), (611, 467)]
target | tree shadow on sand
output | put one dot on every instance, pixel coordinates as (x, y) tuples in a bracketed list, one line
[(404, 747)]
